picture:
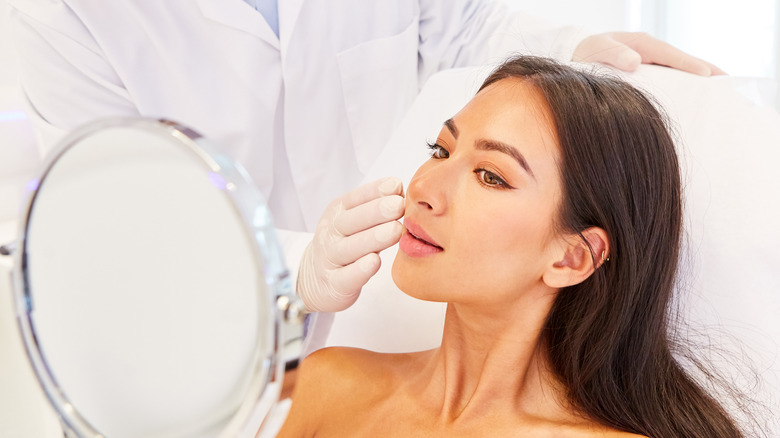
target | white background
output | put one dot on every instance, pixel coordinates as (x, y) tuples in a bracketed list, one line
[(740, 37)]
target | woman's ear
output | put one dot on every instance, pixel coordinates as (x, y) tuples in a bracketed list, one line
[(574, 261)]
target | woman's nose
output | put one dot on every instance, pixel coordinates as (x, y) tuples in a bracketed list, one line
[(427, 191)]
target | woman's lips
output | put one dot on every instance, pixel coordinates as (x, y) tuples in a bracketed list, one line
[(415, 242)]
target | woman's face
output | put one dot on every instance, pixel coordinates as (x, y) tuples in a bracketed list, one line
[(480, 212)]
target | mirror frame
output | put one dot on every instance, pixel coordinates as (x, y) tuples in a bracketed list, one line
[(285, 322)]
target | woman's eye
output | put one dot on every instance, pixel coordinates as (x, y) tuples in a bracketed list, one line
[(437, 151), (490, 179)]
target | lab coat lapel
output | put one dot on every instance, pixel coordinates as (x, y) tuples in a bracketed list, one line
[(239, 15), (289, 10)]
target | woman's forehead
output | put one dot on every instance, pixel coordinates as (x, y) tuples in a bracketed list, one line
[(512, 108), (516, 95)]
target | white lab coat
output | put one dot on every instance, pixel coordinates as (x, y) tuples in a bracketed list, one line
[(305, 113)]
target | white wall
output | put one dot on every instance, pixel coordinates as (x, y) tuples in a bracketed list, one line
[(738, 37), (598, 15), (742, 37), (7, 59), (18, 156)]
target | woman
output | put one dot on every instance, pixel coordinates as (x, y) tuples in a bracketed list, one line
[(549, 219)]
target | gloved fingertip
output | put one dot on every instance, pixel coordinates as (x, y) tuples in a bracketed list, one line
[(703, 70), (716, 71), (392, 207), (390, 186), (388, 232), (628, 60)]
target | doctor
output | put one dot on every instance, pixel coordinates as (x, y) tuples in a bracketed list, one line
[(303, 93)]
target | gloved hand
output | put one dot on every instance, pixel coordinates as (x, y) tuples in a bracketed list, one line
[(343, 254), (626, 50)]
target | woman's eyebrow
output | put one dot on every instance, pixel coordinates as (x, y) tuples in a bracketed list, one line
[(450, 124), (492, 145)]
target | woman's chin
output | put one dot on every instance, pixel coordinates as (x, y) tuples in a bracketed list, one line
[(400, 275), (413, 281)]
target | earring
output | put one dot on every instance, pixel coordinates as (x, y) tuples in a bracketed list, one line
[(603, 258)]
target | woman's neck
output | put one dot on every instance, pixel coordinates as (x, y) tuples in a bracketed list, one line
[(492, 360)]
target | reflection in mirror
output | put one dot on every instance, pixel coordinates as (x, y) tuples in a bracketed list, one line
[(145, 289)]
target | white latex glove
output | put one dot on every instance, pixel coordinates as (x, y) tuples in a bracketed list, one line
[(343, 254), (626, 50)]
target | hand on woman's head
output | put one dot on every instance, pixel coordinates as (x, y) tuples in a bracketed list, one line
[(626, 50)]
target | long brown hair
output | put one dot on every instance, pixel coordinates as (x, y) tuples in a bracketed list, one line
[(608, 338)]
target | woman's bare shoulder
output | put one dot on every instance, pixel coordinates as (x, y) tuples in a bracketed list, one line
[(619, 434), (337, 370), (612, 433), (336, 382), (583, 428), (348, 368)]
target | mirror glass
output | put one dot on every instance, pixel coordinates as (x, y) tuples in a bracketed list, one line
[(149, 272)]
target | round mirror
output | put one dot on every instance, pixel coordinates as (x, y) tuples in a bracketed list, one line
[(147, 280)]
